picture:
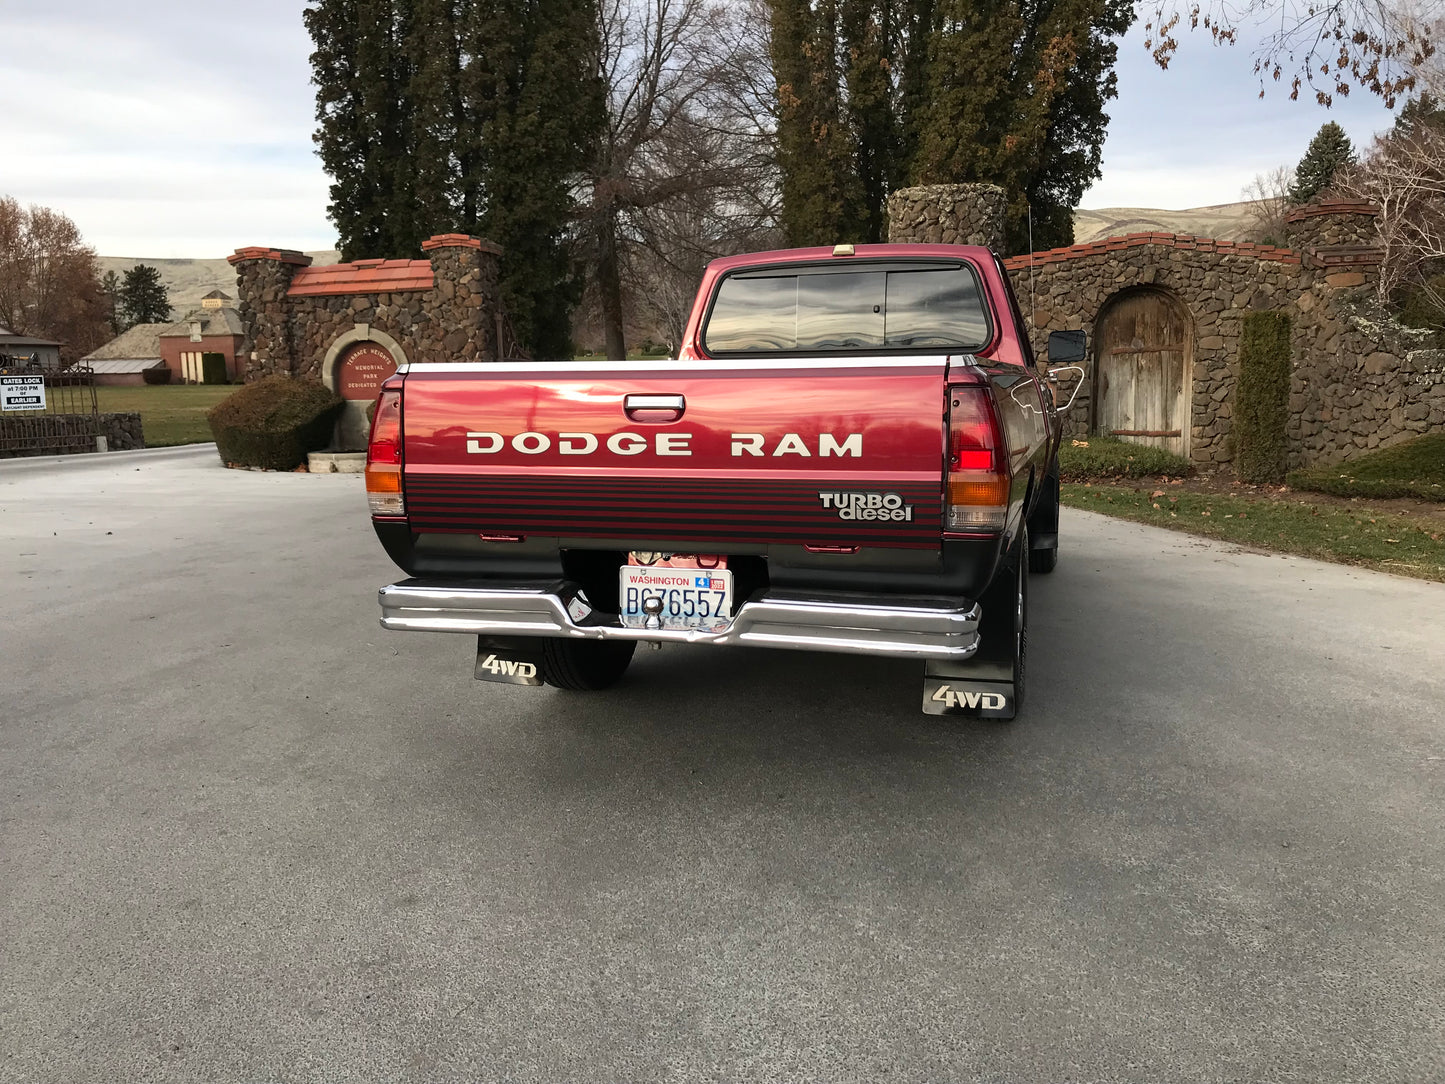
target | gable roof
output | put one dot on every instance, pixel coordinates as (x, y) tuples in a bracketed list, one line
[(141, 341), (223, 321), (9, 338)]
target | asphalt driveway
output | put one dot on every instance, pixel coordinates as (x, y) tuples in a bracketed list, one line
[(246, 835)]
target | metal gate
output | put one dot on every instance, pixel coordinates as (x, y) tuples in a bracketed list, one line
[(68, 422)]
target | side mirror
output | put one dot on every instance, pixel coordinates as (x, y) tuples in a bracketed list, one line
[(1067, 347)]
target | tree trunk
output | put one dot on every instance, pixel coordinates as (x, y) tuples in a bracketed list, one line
[(609, 281)]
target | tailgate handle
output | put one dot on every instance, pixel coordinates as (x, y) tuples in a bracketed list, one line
[(654, 408)]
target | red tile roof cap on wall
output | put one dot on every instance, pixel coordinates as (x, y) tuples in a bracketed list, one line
[(1332, 207), (460, 240), (261, 252), (362, 277), (1167, 240)]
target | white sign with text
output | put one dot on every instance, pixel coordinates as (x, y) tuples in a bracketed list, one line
[(22, 393)]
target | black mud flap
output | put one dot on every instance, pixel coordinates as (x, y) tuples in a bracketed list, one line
[(981, 689), (982, 686), (509, 661)]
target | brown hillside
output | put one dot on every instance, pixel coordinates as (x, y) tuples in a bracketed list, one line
[(1224, 222), (190, 280)]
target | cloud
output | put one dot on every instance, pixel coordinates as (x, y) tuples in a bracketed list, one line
[(181, 129), (165, 129), (1198, 133)]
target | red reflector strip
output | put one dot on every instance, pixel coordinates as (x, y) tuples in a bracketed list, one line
[(973, 459)]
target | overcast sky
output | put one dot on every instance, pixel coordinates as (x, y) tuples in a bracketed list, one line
[(184, 129)]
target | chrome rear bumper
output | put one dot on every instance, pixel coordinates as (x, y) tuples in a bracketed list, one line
[(913, 628)]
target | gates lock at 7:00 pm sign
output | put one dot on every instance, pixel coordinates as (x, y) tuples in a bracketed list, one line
[(22, 393)]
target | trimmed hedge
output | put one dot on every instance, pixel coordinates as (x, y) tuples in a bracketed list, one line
[(274, 422), (1106, 457), (1261, 398), (159, 375)]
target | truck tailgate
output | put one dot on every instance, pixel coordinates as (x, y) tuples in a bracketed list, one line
[(820, 452)]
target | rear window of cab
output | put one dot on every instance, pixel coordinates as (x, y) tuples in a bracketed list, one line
[(873, 308)]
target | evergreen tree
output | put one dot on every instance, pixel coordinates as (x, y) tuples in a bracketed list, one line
[(870, 36), (114, 312), (821, 185), (1419, 114), (1016, 96), (877, 94), (534, 108), (144, 298), (1328, 151), (385, 103), (468, 115)]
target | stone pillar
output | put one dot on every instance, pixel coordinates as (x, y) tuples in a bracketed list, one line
[(1338, 239), (948, 214), (263, 275), (464, 303)]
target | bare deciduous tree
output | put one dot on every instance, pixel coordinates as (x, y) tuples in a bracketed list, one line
[(1327, 47), (1268, 196), (1404, 175), (49, 281), (685, 159)]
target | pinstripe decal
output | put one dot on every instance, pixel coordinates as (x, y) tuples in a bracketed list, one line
[(682, 510)]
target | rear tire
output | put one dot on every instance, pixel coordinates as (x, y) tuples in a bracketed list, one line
[(584, 666), (1043, 561), (1045, 521)]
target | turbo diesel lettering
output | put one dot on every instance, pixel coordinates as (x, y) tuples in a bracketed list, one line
[(875, 506), (668, 444)]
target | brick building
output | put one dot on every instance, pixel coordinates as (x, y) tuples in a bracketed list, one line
[(214, 328)]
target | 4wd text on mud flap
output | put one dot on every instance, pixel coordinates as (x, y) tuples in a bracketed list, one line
[(510, 667), (956, 698)]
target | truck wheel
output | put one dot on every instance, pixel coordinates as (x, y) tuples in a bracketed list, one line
[(1044, 524), (584, 665)]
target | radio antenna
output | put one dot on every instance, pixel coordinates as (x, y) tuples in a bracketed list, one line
[(1033, 304)]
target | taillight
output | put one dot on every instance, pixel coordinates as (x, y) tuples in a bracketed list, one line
[(978, 469), (383, 457)]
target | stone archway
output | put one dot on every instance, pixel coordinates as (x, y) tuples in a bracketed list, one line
[(1143, 365), (353, 367)]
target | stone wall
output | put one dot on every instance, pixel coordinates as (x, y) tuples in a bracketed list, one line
[(74, 433), (1331, 223), (1360, 381), (441, 309), (1216, 282), (263, 277), (948, 214)]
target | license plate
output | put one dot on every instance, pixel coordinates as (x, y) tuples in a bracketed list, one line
[(686, 598)]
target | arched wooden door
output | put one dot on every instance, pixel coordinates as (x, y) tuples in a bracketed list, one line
[(1144, 344)]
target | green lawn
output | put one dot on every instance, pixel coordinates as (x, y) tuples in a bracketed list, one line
[(1407, 544), (1095, 458), (170, 414), (1415, 468)]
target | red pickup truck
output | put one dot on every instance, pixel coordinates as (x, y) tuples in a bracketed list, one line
[(853, 452)]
